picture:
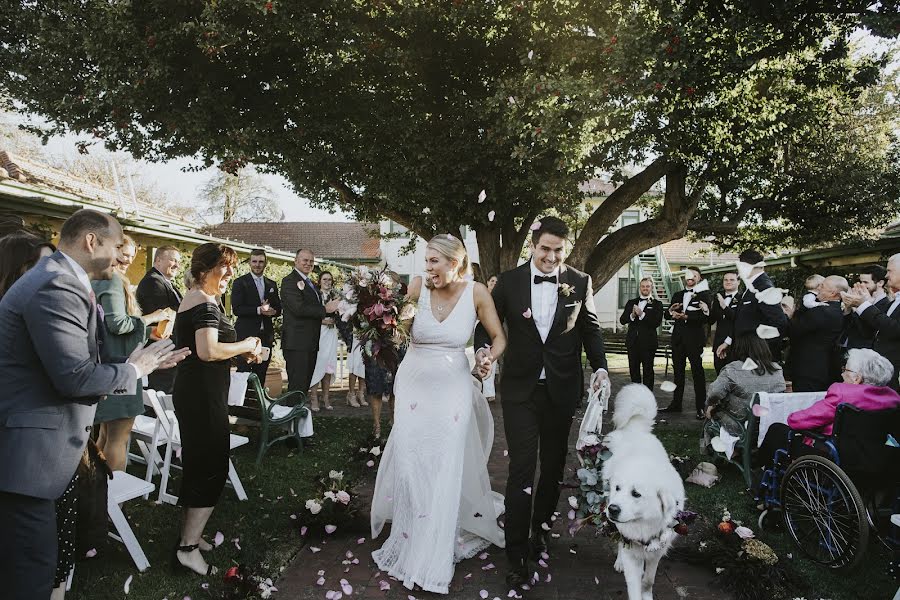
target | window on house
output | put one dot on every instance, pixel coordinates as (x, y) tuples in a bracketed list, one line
[(627, 290), (630, 217), (397, 229)]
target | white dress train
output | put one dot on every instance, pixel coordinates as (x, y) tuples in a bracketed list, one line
[(433, 482), (326, 359)]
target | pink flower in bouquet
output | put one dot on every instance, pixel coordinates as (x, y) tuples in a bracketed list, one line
[(389, 319), (343, 497), (376, 310), (385, 294)]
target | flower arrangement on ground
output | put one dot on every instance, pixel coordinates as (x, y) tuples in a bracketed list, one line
[(374, 301), (331, 507)]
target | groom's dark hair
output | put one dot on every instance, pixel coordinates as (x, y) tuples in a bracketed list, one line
[(552, 225)]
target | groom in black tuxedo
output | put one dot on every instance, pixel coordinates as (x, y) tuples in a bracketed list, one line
[(549, 312)]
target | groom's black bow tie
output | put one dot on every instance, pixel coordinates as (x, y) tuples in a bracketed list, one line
[(547, 279)]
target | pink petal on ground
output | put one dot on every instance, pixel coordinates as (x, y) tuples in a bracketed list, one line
[(294, 518), (348, 554), (293, 493), (543, 563), (487, 567), (303, 530), (329, 595), (483, 556), (482, 196), (371, 463), (571, 515), (545, 556), (346, 587), (511, 594), (483, 593), (491, 215), (320, 581), (410, 598), (128, 584), (527, 490), (547, 580), (347, 570), (468, 576), (554, 535), (219, 538), (204, 586), (361, 541), (313, 549), (384, 585), (329, 529), (355, 561), (545, 527), (237, 543), (91, 553), (526, 587)]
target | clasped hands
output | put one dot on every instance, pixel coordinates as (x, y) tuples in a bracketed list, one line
[(857, 296), (483, 362), (254, 354), (266, 310)]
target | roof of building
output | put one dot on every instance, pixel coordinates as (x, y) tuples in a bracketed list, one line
[(683, 252), (348, 242)]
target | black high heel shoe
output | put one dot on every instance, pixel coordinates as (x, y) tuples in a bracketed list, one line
[(178, 565)]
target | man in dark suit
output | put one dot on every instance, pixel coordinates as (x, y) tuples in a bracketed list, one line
[(690, 310), (155, 291), (642, 315), (50, 364), (722, 314), (814, 333), (885, 323), (549, 313), (303, 314), (856, 333), (255, 301), (750, 312)]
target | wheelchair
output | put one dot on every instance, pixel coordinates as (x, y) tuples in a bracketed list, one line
[(833, 499)]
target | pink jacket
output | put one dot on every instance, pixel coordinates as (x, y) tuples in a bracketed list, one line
[(820, 416)]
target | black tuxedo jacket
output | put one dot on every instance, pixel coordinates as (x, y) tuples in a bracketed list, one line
[(245, 302), (887, 336), (575, 325), (723, 318), (155, 292), (858, 334), (642, 332), (815, 359), (691, 331), (303, 313), (751, 313)]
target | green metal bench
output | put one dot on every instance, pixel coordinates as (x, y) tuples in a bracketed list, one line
[(284, 412)]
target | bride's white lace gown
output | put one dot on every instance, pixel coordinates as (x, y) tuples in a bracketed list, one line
[(433, 482)]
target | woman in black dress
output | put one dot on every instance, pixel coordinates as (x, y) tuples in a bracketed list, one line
[(200, 395)]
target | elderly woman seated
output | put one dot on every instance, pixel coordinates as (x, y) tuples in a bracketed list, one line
[(728, 398), (866, 376)]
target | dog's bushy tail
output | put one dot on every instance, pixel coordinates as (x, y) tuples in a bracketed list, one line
[(635, 406)]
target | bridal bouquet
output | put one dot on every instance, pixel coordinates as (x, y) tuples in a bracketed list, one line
[(374, 301)]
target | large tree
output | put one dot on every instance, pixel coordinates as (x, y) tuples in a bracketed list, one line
[(760, 118), (241, 197)]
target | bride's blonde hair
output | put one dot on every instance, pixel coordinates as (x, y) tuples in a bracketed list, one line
[(451, 248)]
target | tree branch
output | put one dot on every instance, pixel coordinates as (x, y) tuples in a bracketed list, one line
[(352, 199)]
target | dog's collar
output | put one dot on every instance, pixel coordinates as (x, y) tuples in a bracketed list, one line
[(657, 539)]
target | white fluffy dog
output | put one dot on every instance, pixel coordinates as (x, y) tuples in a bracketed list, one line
[(645, 491)]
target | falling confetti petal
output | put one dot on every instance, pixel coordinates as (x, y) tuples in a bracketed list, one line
[(667, 386), (554, 535), (535, 226), (527, 313), (128, 584), (527, 490), (294, 517), (329, 529), (506, 453), (759, 410), (530, 54), (218, 539), (596, 580), (545, 527), (512, 100), (91, 553), (483, 593), (482, 196), (491, 216)]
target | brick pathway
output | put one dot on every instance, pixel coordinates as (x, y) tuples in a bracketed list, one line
[(580, 567)]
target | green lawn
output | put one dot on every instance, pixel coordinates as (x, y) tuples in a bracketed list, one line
[(267, 535), (869, 581)]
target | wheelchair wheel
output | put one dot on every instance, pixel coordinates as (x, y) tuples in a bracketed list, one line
[(824, 512)]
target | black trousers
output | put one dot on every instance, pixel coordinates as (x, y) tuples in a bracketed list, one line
[(641, 357), (682, 353), (300, 365), (28, 551), (534, 427)]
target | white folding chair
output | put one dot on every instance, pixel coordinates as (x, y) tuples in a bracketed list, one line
[(122, 488), (162, 406), (149, 435)]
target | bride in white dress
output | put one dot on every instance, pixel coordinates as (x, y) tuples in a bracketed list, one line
[(433, 482)]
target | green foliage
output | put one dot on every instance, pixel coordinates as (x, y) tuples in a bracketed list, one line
[(768, 125)]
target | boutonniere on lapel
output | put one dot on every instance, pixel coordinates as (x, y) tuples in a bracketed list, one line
[(301, 286), (527, 313), (565, 289)]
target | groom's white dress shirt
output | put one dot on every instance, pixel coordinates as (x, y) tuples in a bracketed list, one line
[(544, 297)]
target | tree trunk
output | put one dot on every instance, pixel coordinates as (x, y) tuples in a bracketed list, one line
[(489, 251), (620, 246)]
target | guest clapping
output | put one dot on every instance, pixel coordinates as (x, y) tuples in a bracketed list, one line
[(201, 395), (126, 330)]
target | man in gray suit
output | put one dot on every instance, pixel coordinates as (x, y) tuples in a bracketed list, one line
[(54, 372)]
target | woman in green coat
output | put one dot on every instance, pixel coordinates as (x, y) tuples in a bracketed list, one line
[(125, 331)]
